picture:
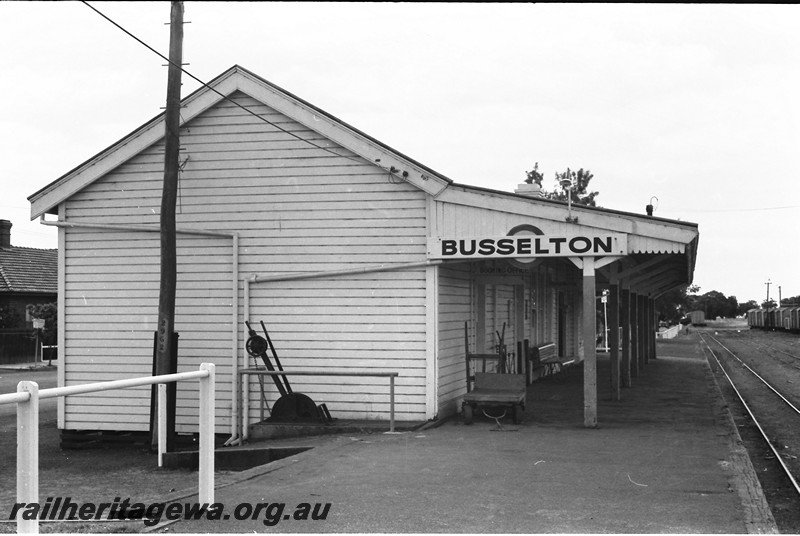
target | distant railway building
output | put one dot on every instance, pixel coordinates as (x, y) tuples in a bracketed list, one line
[(697, 318)]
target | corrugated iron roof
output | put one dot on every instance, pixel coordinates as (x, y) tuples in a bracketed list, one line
[(28, 270)]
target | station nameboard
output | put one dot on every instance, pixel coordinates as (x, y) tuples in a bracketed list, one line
[(528, 246)]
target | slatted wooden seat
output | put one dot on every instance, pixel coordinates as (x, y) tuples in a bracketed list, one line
[(547, 358), (544, 360)]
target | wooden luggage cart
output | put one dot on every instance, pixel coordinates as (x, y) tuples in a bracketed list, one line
[(492, 390), (496, 391)]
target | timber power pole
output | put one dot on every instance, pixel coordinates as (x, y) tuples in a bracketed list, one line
[(165, 359)]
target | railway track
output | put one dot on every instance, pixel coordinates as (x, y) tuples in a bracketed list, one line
[(763, 392), (768, 343)]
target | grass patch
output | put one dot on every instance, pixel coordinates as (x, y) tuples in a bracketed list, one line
[(728, 323)]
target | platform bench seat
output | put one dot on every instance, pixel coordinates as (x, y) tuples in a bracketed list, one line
[(544, 361)]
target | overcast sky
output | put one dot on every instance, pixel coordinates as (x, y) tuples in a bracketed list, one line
[(693, 105)]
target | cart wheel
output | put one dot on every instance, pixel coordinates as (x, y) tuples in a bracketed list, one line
[(467, 414), (518, 412)]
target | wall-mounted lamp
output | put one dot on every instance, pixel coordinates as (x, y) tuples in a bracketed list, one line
[(650, 208), (567, 185)]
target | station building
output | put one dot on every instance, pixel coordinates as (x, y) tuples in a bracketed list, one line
[(356, 257)]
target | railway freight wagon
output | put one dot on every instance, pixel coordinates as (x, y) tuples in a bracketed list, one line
[(698, 318), (758, 318), (771, 319), (753, 321), (777, 319), (790, 318), (782, 318)]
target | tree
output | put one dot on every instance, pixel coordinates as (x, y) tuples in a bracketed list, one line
[(534, 177), (769, 304), (580, 184), (714, 304), (579, 192), (10, 318), (49, 313), (678, 303), (746, 306), (671, 306), (793, 301), (674, 305)]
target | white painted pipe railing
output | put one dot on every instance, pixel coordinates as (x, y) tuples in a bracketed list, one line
[(27, 399), (245, 373)]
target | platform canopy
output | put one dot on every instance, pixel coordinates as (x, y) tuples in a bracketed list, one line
[(647, 254)]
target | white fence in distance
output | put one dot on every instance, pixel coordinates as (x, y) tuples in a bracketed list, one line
[(669, 333)]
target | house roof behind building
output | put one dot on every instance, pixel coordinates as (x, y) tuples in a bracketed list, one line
[(28, 270)]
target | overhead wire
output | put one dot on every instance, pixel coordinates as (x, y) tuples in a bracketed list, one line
[(755, 209), (207, 86)]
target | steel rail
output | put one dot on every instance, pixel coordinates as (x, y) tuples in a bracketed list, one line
[(765, 382), (770, 348), (752, 416), (787, 353)]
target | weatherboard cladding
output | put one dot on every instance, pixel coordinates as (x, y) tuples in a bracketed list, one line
[(455, 308), (111, 300), (296, 209)]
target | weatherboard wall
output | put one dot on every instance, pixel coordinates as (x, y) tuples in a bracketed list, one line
[(455, 309), (296, 208)]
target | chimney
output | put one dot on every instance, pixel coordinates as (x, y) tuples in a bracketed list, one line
[(529, 190), (5, 234)]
